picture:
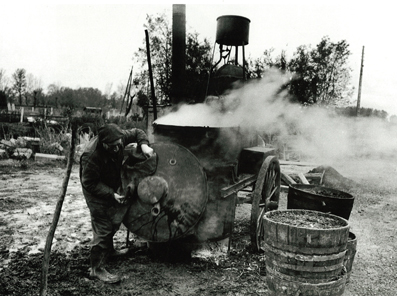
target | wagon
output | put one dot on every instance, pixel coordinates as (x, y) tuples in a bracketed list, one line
[(205, 169), (202, 174)]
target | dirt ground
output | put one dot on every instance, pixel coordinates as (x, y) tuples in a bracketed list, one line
[(28, 195)]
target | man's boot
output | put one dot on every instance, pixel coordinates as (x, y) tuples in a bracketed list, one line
[(98, 257)]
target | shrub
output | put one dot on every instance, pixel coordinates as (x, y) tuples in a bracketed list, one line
[(52, 142)]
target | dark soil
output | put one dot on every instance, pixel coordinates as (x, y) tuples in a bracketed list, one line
[(332, 194), (143, 273), (306, 219), (28, 195), (325, 192)]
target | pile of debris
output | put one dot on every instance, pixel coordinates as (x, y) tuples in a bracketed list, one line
[(24, 148), (322, 175)]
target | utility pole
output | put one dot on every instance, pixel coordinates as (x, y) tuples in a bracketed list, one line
[(359, 85)]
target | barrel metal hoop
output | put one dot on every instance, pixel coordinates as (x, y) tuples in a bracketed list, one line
[(309, 268), (307, 250), (302, 257), (270, 271)]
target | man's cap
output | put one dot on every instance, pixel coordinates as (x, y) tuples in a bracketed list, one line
[(109, 133)]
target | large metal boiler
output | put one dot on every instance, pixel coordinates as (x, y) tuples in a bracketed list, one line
[(201, 169), (196, 194)]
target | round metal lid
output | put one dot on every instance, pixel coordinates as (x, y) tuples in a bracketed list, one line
[(181, 208)]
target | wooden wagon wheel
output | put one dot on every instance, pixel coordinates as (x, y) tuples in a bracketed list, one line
[(265, 197)]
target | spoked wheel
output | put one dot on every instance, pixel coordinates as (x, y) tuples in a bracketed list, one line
[(265, 198)]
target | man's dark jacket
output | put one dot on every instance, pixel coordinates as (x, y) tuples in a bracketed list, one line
[(100, 173)]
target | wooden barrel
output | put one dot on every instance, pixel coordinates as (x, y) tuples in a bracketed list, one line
[(350, 253), (282, 285), (305, 252)]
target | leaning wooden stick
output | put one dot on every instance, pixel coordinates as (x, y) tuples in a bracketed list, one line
[(57, 213), (303, 178), (287, 179)]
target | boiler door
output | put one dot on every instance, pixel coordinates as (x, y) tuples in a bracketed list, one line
[(181, 207)]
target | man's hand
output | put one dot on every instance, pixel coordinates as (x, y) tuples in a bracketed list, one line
[(147, 151), (119, 198)]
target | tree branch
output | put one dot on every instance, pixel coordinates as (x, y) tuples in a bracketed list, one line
[(57, 213)]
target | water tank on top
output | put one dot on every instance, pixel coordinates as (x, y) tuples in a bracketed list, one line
[(232, 30)]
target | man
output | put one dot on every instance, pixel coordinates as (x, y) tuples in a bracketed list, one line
[(100, 167)]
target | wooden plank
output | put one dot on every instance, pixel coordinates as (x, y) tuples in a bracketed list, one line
[(284, 188), (313, 178), (303, 179), (43, 156), (308, 176), (297, 163), (322, 177), (287, 179), (226, 191)]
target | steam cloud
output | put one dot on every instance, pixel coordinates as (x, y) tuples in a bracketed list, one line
[(259, 107)]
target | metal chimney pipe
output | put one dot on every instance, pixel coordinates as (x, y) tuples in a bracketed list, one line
[(178, 52)]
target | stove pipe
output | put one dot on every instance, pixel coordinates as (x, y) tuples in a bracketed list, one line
[(178, 52)]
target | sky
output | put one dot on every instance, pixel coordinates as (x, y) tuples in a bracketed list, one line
[(92, 43)]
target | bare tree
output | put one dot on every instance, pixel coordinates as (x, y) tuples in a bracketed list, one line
[(19, 86), (108, 90), (5, 91), (53, 88), (52, 91), (4, 81), (33, 88)]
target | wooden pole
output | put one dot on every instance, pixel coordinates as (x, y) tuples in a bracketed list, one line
[(57, 213), (151, 76), (359, 85), (127, 90), (22, 110), (244, 70)]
